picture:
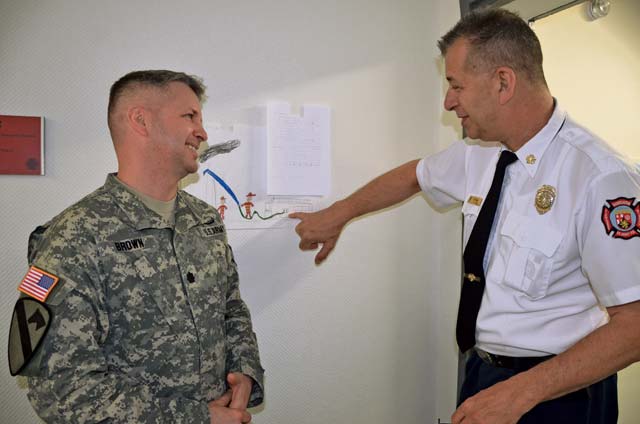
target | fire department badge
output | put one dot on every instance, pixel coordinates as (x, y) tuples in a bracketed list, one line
[(545, 196), (621, 218)]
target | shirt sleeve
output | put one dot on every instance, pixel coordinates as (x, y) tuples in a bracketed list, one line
[(609, 231), (242, 345), (442, 176)]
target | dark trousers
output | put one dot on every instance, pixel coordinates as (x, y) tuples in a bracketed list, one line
[(596, 404)]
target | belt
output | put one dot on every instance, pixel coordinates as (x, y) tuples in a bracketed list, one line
[(510, 362)]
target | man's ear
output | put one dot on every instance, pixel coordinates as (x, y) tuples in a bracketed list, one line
[(137, 119), (507, 84)]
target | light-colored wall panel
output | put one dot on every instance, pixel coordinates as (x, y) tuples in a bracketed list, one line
[(359, 339)]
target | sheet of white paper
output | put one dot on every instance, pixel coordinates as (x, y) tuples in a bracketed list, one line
[(240, 173), (298, 156)]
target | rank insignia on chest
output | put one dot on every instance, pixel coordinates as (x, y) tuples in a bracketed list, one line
[(475, 200), (621, 218), (545, 197)]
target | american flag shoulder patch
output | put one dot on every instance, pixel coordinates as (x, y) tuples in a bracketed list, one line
[(38, 283)]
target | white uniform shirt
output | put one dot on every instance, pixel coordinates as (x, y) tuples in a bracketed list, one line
[(548, 275)]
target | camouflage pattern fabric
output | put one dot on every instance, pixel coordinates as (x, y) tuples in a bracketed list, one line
[(147, 319)]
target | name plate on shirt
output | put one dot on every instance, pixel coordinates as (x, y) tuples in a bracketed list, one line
[(212, 231), (475, 200)]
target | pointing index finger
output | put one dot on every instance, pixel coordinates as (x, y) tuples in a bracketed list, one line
[(296, 215)]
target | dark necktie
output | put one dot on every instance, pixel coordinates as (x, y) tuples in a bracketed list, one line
[(474, 279)]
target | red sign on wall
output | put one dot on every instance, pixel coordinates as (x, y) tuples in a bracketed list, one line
[(21, 145)]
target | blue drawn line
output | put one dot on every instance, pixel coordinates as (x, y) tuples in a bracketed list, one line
[(233, 195), (222, 183)]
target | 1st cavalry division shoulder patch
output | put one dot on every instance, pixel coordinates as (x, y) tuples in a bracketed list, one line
[(29, 324), (621, 218), (31, 318)]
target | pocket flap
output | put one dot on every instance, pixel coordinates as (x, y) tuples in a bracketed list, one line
[(530, 232)]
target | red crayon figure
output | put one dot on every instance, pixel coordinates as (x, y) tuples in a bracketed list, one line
[(248, 205), (222, 207)]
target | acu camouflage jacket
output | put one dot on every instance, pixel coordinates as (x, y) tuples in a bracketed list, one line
[(147, 318)]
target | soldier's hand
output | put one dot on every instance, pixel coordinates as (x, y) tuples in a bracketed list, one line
[(322, 227), (240, 386), (221, 413)]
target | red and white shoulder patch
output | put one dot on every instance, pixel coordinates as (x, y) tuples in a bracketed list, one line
[(621, 218)]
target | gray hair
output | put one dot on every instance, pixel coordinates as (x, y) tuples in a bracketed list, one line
[(498, 37)]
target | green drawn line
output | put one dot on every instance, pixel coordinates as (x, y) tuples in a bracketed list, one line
[(259, 216)]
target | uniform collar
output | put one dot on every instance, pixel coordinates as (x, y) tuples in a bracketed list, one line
[(138, 214), (530, 154), (188, 212)]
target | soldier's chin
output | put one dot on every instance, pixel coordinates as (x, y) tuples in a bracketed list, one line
[(191, 168)]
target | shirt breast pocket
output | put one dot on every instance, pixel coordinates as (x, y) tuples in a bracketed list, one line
[(531, 258)]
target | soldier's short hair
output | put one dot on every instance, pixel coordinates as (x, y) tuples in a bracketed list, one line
[(153, 79), (498, 37)]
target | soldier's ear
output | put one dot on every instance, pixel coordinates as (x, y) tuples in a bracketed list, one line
[(138, 120)]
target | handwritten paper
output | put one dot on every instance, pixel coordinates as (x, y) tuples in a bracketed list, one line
[(298, 150)]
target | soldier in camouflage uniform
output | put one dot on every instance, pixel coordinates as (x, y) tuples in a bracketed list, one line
[(147, 321)]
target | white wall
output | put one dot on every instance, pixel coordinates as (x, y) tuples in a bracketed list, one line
[(366, 337), (593, 68)]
